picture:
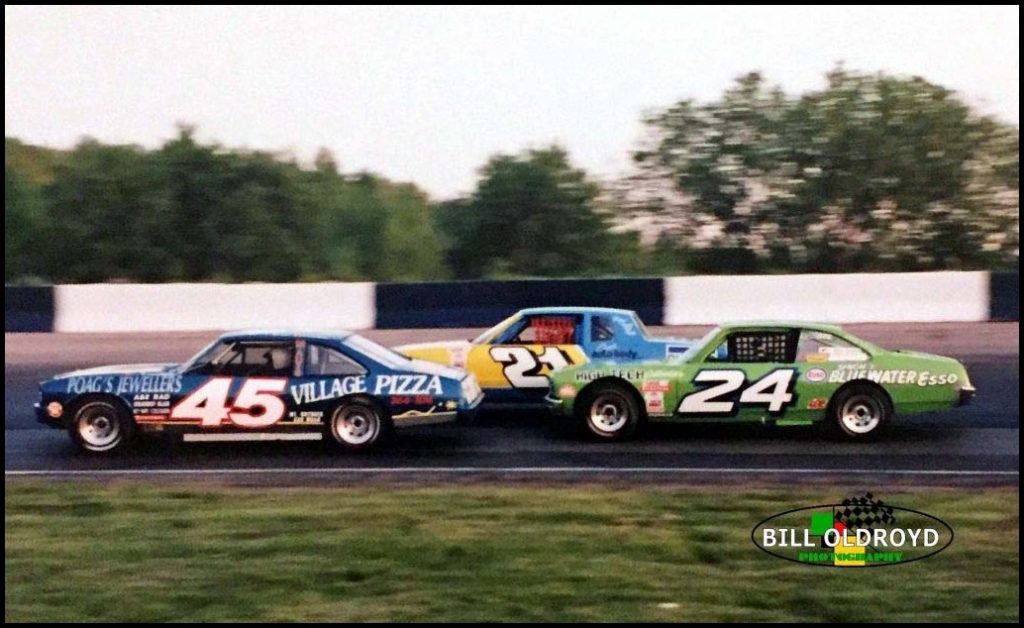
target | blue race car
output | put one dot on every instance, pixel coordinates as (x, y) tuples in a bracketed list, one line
[(512, 360), (260, 386)]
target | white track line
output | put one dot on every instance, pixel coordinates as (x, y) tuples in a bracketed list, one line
[(520, 470)]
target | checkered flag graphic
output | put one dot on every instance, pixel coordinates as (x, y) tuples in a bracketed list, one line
[(864, 512)]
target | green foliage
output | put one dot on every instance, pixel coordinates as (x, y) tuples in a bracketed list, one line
[(872, 172), (532, 214), (195, 212), (25, 225)]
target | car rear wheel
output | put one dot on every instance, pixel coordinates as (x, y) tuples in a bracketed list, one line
[(609, 412), (101, 427), (358, 425), (860, 411)]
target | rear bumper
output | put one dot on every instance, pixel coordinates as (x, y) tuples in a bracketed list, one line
[(965, 395)]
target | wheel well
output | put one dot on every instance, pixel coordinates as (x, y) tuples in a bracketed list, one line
[(861, 382), (620, 383), (385, 411), (80, 401)]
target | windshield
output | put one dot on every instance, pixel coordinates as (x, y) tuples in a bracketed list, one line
[(493, 332), (376, 352), (640, 325), (208, 353)]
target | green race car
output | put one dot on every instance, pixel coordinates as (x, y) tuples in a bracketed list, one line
[(783, 373)]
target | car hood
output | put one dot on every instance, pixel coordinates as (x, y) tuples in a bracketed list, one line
[(120, 369)]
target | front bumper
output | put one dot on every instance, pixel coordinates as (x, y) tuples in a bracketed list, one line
[(555, 404), (965, 395), (42, 416), (468, 409)]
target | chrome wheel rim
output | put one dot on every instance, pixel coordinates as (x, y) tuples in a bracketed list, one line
[(609, 413), (861, 414), (98, 428), (355, 425)]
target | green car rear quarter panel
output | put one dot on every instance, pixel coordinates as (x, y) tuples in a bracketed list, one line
[(785, 392)]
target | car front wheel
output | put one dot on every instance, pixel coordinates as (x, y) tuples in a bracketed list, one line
[(610, 412), (101, 427)]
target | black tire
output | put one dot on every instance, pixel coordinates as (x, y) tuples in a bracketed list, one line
[(101, 427), (608, 411), (358, 425), (859, 412)]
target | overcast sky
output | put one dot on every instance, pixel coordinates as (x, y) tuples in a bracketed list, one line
[(426, 95)]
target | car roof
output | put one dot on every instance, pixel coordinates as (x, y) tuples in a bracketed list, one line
[(286, 334), (574, 309), (735, 325)]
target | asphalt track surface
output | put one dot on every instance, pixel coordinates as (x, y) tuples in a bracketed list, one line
[(980, 441)]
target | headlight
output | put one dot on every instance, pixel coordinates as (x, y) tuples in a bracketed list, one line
[(470, 387)]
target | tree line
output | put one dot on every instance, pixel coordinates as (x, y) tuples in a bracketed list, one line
[(869, 173)]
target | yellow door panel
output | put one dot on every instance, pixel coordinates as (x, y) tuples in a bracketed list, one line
[(520, 366)]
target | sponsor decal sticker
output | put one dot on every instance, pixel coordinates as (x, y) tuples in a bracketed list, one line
[(305, 417), (655, 385), (125, 384), (614, 354), (655, 402), (673, 353), (407, 385), (816, 375), (312, 392), (817, 403), (567, 392), (844, 354), (459, 357), (817, 357), (860, 531), (589, 376), (151, 405), (892, 376), (626, 324), (407, 400)]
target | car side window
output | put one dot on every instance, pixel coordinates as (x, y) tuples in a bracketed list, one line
[(756, 346), (547, 330), (255, 359), (820, 346), (601, 329), (321, 360)]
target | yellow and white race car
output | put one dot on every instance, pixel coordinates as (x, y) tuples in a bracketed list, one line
[(513, 359)]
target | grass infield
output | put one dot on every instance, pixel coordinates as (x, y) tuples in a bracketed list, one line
[(203, 552)]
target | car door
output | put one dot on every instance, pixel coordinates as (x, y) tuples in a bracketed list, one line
[(818, 354), (327, 373), (242, 384), (514, 367), (750, 375)]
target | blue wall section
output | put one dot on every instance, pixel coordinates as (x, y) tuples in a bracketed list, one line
[(1004, 296), (484, 303), (28, 308)]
